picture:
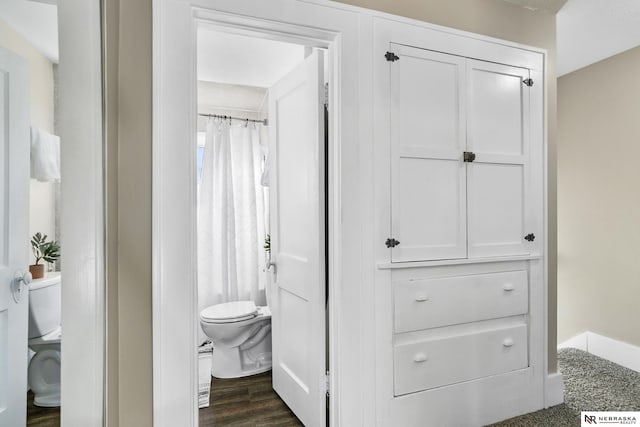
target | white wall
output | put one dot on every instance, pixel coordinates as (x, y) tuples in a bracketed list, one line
[(42, 194)]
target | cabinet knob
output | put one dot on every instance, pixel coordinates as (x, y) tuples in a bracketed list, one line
[(420, 357), (508, 287), (508, 342), (422, 297)]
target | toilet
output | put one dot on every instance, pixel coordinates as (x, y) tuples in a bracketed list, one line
[(45, 334), (241, 335)]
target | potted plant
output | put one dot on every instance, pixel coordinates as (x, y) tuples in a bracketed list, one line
[(42, 250)]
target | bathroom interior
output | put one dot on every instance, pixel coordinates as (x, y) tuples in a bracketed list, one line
[(235, 276), (28, 29)]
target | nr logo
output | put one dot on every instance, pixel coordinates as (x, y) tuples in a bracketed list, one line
[(590, 419)]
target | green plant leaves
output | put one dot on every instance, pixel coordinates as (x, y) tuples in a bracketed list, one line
[(47, 251)]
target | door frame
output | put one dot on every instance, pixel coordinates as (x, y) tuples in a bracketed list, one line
[(174, 189), (82, 212)]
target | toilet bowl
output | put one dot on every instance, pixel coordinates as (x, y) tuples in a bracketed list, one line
[(241, 336), (45, 336)]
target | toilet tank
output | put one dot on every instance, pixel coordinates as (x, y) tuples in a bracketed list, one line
[(44, 304)]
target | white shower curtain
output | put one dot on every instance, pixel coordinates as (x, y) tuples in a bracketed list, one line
[(231, 217)]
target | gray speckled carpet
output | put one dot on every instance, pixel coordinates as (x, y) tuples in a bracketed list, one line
[(590, 384)]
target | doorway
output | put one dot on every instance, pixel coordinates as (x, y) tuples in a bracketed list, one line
[(261, 237), (175, 202)]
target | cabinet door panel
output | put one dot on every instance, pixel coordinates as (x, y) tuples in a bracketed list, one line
[(497, 181), (429, 214), (496, 209), (428, 206), (495, 113)]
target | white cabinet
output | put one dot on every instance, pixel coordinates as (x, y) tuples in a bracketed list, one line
[(460, 287), (459, 131)]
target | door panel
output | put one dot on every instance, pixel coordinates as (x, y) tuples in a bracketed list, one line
[(296, 136), (428, 206), (496, 207), (14, 239), (495, 108), (429, 191), (497, 181)]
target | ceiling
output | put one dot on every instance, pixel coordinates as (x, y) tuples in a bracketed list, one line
[(36, 21), (589, 31), (249, 61)]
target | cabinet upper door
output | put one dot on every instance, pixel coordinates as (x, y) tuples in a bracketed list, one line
[(427, 126), (498, 179)]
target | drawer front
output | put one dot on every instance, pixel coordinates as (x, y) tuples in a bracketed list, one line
[(439, 362), (430, 303)]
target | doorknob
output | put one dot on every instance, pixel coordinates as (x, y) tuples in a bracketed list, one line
[(18, 284), (270, 265)]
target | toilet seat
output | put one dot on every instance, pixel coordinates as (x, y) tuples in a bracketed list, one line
[(52, 337), (229, 312)]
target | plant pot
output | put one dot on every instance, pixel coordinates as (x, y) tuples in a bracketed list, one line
[(37, 271)]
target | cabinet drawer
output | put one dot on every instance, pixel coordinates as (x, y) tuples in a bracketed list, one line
[(430, 303), (439, 362)]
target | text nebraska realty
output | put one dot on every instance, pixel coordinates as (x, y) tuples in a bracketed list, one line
[(592, 419)]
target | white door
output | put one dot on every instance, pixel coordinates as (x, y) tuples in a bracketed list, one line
[(296, 135), (497, 180), (428, 200), (14, 239)]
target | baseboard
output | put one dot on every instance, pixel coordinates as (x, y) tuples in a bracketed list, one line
[(554, 393), (615, 351), (579, 342)]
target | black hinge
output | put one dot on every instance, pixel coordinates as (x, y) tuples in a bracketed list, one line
[(530, 237), (528, 82), (391, 56), (391, 242), (468, 156)]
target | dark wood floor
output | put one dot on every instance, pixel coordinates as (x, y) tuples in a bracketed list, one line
[(235, 402), (41, 417), (246, 402)]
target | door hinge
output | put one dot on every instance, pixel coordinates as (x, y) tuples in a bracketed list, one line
[(326, 95), (528, 82), (327, 383), (391, 242), (391, 57), (468, 156), (530, 237)]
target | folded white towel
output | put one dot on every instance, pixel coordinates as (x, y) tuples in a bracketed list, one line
[(45, 156)]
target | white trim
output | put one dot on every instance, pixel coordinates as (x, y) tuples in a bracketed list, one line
[(82, 215), (554, 390), (579, 341), (613, 350)]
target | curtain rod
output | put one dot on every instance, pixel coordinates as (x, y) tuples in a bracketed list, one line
[(219, 116)]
